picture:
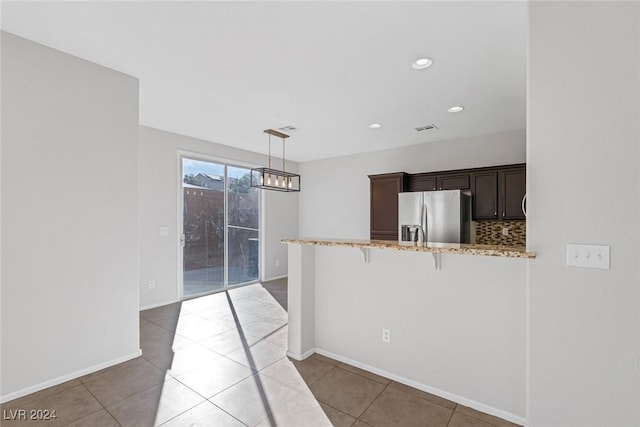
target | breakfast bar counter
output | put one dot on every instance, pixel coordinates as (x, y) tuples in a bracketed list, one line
[(455, 329), (442, 248)]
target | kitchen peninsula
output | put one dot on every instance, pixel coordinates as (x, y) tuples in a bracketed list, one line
[(437, 248), (456, 331)]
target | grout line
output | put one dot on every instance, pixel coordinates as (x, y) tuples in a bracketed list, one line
[(480, 419), (159, 384), (323, 375), (93, 413), (226, 412), (196, 392), (452, 412), (94, 396), (183, 412), (455, 405), (373, 401), (101, 404), (364, 376), (336, 409), (112, 417)]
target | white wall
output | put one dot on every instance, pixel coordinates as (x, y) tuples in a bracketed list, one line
[(457, 332), (159, 186), (583, 180), (69, 216), (335, 197)]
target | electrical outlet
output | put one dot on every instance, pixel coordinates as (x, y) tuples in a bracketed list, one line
[(589, 256), (386, 335), (505, 231), (152, 284), (277, 263), (164, 231)]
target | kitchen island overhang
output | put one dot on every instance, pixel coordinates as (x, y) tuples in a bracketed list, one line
[(432, 247), (457, 332)]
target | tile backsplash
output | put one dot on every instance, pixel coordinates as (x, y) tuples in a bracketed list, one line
[(490, 233)]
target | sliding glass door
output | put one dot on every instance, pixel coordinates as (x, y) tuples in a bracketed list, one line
[(221, 220), (243, 220)]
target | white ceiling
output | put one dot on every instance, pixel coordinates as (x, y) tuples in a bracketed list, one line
[(224, 71)]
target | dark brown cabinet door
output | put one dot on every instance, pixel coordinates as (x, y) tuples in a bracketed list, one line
[(454, 182), (485, 195), (384, 191), (514, 186), (423, 183)]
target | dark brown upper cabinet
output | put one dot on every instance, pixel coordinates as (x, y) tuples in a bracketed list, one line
[(484, 191), (497, 192), (439, 181), (513, 184), (384, 191), (423, 182), (454, 182)]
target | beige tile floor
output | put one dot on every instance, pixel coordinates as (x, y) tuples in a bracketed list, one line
[(220, 360)]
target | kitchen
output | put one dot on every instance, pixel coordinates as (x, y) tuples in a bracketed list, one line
[(457, 332), (531, 340)]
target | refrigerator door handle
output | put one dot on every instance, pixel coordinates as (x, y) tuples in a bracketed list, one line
[(423, 218)]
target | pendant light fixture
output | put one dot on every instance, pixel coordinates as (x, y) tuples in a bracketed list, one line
[(273, 179)]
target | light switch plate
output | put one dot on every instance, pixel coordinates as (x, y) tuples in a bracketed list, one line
[(164, 231), (588, 256)]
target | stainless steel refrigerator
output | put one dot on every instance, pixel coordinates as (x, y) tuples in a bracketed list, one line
[(434, 216)]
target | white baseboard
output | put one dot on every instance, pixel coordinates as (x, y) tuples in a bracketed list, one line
[(302, 356), (77, 374), (446, 395)]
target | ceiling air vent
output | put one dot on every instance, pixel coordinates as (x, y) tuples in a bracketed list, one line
[(426, 127), (289, 129)]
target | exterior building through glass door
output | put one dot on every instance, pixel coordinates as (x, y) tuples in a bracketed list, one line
[(203, 188), (221, 220)]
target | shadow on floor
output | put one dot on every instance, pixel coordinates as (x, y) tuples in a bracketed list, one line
[(278, 290), (221, 360)]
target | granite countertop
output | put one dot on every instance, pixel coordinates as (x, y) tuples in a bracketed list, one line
[(444, 248)]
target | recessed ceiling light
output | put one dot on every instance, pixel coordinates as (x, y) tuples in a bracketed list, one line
[(375, 126), (455, 109), (422, 63)]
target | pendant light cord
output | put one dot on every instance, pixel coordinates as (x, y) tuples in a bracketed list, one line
[(283, 157), (269, 151)]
